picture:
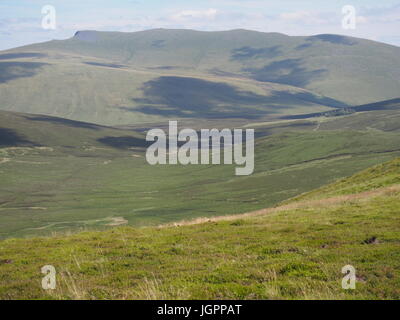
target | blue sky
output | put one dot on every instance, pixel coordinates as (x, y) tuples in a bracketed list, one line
[(20, 20)]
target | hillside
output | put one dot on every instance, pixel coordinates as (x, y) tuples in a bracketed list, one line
[(295, 251), (134, 78), (310, 62), (60, 175), (382, 116), (35, 130), (379, 176)]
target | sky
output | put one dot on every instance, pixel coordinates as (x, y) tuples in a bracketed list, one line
[(21, 20)]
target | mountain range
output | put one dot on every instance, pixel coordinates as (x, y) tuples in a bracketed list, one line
[(113, 78)]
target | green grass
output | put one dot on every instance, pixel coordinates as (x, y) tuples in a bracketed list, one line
[(133, 78), (67, 87), (296, 253), (379, 176), (66, 176), (344, 68), (59, 177)]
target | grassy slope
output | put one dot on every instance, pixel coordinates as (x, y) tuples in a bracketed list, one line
[(380, 176), (336, 66), (153, 75), (381, 116), (384, 116), (291, 253), (67, 87), (27, 130), (61, 176)]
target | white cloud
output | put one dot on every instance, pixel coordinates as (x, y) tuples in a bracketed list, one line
[(383, 15), (308, 17), (380, 23), (295, 16), (195, 14), (362, 19)]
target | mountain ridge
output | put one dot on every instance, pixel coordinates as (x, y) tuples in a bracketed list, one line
[(185, 73)]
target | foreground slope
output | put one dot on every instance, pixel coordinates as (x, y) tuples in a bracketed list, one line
[(295, 251), (380, 176)]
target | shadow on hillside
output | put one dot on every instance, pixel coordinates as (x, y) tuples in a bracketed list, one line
[(86, 36), (283, 128), (250, 52), (9, 138), (109, 65), (393, 104), (221, 73), (124, 142), (65, 122), (342, 110), (163, 68), (333, 38), (308, 98), (8, 56), (14, 70), (304, 46), (191, 97), (289, 71), (158, 44), (196, 98)]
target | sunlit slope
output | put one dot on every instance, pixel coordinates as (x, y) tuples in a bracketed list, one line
[(292, 252), (352, 70), (379, 116), (380, 176), (384, 116), (71, 87)]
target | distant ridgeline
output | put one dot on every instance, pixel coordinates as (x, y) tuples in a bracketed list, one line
[(152, 76), (378, 106)]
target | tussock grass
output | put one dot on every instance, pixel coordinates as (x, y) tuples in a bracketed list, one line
[(65, 186), (293, 204), (291, 252)]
